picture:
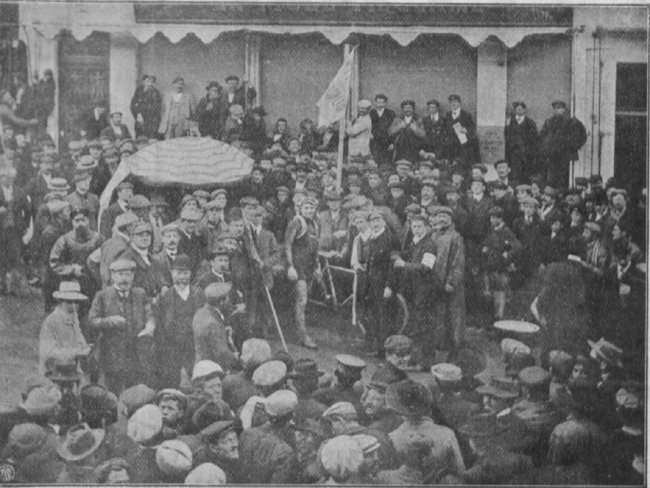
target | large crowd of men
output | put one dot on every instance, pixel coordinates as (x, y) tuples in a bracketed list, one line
[(154, 365)]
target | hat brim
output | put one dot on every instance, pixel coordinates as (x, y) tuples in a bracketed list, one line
[(71, 296), (307, 374), (65, 453), (490, 390)]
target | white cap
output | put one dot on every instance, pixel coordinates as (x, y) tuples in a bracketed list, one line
[(255, 352), (174, 457), (145, 424), (206, 474), (206, 368), (269, 373), (341, 457), (282, 402)]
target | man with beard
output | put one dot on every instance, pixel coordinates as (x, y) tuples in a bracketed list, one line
[(122, 313), (560, 139), (174, 312), (146, 105), (375, 408), (212, 335), (223, 446), (414, 277), (71, 251), (301, 251), (379, 248), (208, 112), (407, 134)]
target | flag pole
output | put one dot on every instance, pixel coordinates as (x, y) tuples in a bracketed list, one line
[(342, 124)]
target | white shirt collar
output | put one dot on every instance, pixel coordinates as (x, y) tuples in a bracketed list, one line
[(380, 111), (408, 120), (520, 118), (415, 240), (184, 293), (455, 113), (142, 252), (377, 234)]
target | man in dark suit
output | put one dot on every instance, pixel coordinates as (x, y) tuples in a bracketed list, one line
[(560, 139), (38, 186), (234, 94), (96, 121), (550, 210), (436, 131), (116, 131), (407, 134), (122, 313), (381, 118), (529, 229), (478, 207), (163, 260), (462, 141), (145, 275), (414, 277), (377, 260), (208, 112), (124, 193), (521, 143), (193, 242), (146, 106)]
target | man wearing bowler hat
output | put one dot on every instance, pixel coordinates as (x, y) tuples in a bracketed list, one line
[(146, 105), (559, 141), (174, 312), (521, 143), (208, 111), (122, 313), (60, 333), (82, 198), (304, 379)]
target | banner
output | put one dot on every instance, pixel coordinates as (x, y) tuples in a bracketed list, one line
[(332, 105)]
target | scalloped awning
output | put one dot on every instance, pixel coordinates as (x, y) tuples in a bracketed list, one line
[(82, 19)]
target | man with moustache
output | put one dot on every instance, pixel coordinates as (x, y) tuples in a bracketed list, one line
[(173, 337), (407, 134), (146, 105), (122, 313), (116, 245), (208, 112), (460, 121), (82, 198), (163, 260), (71, 251), (521, 143), (138, 252), (223, 448)]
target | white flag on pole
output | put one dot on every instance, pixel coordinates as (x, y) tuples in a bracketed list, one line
[(332, 105)]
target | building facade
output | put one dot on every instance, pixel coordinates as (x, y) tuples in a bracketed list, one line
[(490, 56)]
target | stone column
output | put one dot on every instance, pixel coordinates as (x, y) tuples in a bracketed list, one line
[(123, 75), (492, 99), (253, 67)]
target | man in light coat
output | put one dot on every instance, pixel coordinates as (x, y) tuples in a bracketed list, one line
[(177, 109), (360, 131)]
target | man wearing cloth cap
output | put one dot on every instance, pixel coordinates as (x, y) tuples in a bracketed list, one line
[(559, 141), (265, 450), (462, 139), (521, 143), (174, 312), (375, 408), (529, 230), (124, 193), (212, 334), (223, 448), (60, 333), (71, 251), (122, 313), (146, 106), (359, 130), (348, 373), (115, 130)]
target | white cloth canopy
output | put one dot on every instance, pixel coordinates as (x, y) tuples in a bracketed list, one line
[(184, 161)]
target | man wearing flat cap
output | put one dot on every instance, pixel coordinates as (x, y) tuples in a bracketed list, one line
[(146, 106), (212, 333), (521, 143), (122, 313), (208, 111), (266, 450), (174, 313), (223, 448), (559, 141), (406, 134), (462, 137), (116, 131), (138, 252), (359, 131), (177, 110)]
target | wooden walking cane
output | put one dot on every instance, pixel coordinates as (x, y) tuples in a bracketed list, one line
[(275, 317)]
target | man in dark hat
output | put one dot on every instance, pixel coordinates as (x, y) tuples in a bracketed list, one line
[(436, 132), (82, 198), (304, 379), (146, 106), (193, 241), (382, 118), (347, 373), (174, 312), (177, 110), (223, 448), (254, 130), (82, 449), (521, 142), (560, 139), (235, 94), (116, 131), (95, 121), (124, 193), (529, 230), (122, 314), (462, 138), (376, 411), (138, 252), (208, 112), (406, 134)]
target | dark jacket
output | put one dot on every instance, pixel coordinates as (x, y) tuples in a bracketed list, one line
[(521, 146), (268, 455), (211, 339), (147, 103)]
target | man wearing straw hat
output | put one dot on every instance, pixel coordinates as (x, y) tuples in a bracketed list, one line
[(60, 333)]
